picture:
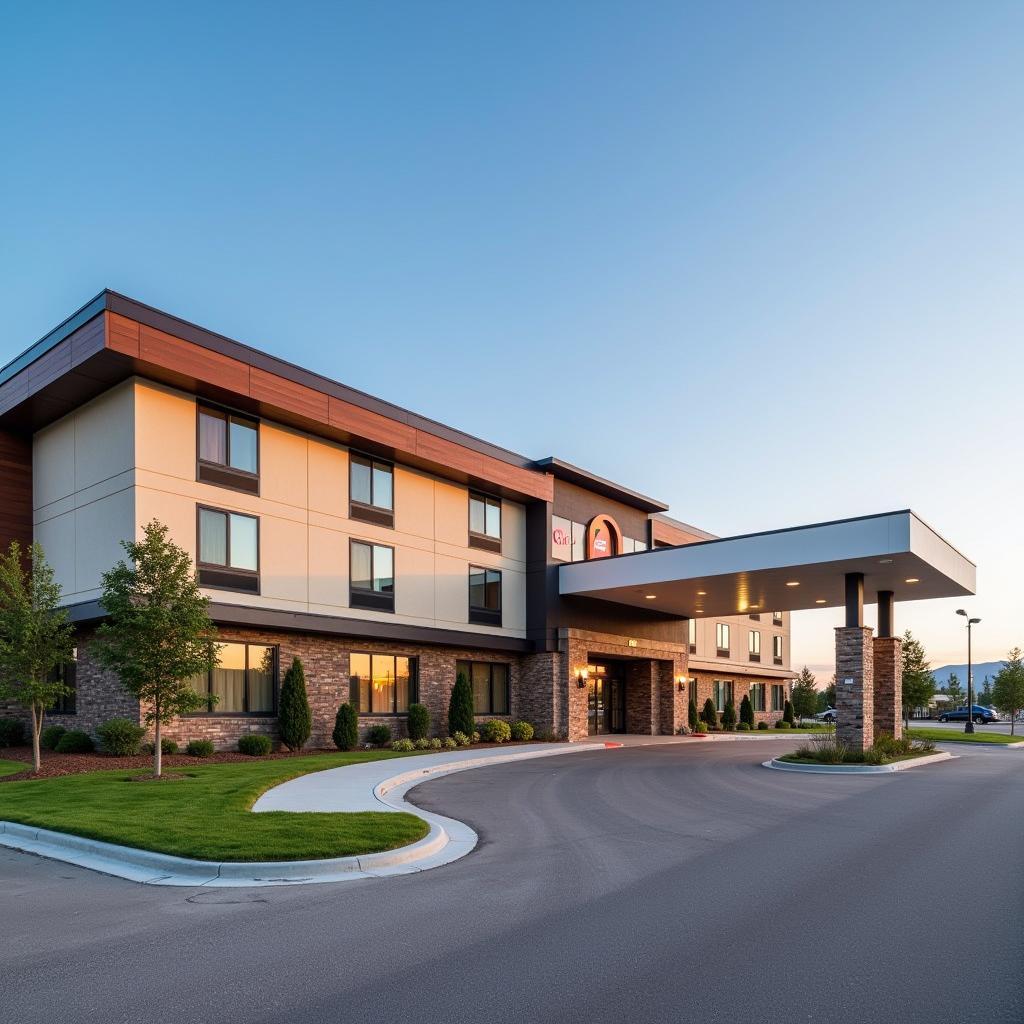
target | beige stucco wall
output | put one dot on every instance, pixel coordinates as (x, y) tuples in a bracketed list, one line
[(82, 490), (739, 662), (304, 524)]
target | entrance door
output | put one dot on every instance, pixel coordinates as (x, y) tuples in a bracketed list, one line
[(606, 700)]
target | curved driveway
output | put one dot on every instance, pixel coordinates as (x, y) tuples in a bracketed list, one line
[(662, 883)]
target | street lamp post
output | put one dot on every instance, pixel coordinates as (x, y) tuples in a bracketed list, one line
[(969, 727)]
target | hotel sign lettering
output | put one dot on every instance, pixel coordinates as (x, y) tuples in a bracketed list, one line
[(570, 541)]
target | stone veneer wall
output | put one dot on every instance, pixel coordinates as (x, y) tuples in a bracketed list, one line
[(855, 701), (888, 663)]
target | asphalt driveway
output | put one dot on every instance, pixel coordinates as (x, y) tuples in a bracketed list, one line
[(663, 883)]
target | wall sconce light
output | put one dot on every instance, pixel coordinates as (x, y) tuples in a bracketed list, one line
[(682, 683), (581, 678)]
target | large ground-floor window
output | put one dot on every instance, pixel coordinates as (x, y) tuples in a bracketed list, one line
[(757, 696), (778, 697), (723, 693), (490, 685), (383, 684), (244, 681)]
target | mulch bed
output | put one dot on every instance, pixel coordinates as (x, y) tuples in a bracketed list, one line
[(54, 765)]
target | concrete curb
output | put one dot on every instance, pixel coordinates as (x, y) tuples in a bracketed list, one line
[(447, 840), (858, 769)]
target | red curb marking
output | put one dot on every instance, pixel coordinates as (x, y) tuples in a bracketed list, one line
[(607, 744)]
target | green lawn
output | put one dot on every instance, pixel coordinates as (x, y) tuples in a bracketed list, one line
[(11, 767), (207, 814), (958, 736)]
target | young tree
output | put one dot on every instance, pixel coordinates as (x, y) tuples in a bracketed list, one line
[(805, 694), (1008, 688), (918, 681), (157, 634), (708, 714), (985, 694), (294, 719), (460, 707), (346, 728), (691, 715), (729, 716), (954, 691), (747, 711), (36, 637)]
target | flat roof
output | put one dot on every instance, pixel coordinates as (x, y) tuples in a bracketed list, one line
[(599, 485), (792, 569)]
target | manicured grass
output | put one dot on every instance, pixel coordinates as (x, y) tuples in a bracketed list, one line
[(206, 815), (12, 767), (793, 759), (958, 736)]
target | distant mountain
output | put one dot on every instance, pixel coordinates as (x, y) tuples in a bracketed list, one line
[(980, 670)]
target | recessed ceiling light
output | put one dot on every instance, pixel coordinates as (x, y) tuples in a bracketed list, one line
[(650, 597), (885, 561), (913, 579), (793, 583), (820, 600), (702, 593)]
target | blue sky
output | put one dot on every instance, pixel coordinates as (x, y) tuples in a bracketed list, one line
[(762, 261)]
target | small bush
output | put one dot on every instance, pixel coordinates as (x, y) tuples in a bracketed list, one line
[(379, 735), (435, 743), (75, 741), (418, 721), (460, 706), (522, 731), (255, 745), (708, 715), (762, 725), (747, 711), (743, 727), (806, 725), (50, 736), (692, 718), (294, 718), (701, 728), (783, 724), (199, 748), (346, 728), (461, 739), (729, 716), (449, 743), (495, 731), (787, 712), (404, 746), (12, 732), (475, 738), (422, 743), (547, 736), (166, 746), (829, 749), (924, 746), (874, 756), (120, 736)]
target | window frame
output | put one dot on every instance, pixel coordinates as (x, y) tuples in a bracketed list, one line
[(761, 689), (414, 683), (780, 689), (370, 599), (726, 651), (691, 635), (777, 618), (224, 474), (490, 685), (68, 704), (484, 540), (226, 577), (275, 685), (777, 658), (727, 694), (482, 616), (379, 515), (754, 645)]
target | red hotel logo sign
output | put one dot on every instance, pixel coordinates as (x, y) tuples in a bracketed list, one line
[(604, 537)]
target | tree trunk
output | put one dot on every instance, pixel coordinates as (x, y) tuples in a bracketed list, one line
[(158, 752), (37, 728)]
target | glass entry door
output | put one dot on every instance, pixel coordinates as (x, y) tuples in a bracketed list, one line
[(606, 700)]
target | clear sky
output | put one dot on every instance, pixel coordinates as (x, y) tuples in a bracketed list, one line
[(763, 261)]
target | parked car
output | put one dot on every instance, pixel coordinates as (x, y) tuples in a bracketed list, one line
[(981, 716), (828, 715)]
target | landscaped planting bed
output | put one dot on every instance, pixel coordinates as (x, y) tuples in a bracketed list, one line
[(958, 736)]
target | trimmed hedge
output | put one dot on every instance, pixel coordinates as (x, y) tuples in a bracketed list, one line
[(199, 748), (460, 707), (120, 737), (12, 732), (75, 741), (346, 728), (50, 736), (747, 711), (167, 746), (294, 718), (692, 718), (418, 721), (495, 731), (255, 745), (762, 725), (729, 716), (522, 731), (379, 735), (708, 715)]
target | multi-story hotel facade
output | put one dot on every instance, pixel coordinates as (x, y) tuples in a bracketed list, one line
[(387, 551)]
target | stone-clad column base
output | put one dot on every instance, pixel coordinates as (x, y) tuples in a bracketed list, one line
[(888, 655), (855, 691)]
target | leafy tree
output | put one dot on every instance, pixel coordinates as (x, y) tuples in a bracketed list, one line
[(294, 718), (805, 694), (157, 634), (985, 694), (346, 728), (729, 715), (954, 690), (747, 711), (691, 714), (708, 714), (1008, 688), (460, 707), (36, 637), (918, 681)]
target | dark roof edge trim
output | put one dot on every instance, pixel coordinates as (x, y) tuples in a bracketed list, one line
[(582, 478)]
